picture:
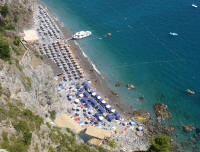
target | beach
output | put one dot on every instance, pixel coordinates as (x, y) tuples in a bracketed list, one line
[(78, 73)]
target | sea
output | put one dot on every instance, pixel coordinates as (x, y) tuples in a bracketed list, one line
[(130, 43)]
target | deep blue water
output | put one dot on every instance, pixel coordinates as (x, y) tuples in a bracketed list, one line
[(141, 52)]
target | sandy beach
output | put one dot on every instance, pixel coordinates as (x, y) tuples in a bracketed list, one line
[(130, 137)]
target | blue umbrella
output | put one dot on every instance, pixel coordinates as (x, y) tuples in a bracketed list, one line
[(83, 100), (81, 89), (86, 94), (78, 87)]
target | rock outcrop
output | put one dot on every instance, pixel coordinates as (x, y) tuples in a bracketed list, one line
[(130, 86), (188, 128), (161, 111)]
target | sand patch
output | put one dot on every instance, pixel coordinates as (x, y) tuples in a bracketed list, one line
[(30, 36), (97, 132), (65, 121)]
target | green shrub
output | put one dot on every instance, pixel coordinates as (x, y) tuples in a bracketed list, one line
[(111, 143), (4, 10), (52, 115), (160, 144), (27, 137), (4, 50), (5, 136), (16, 41), (17, 147), (1, 89), (21, 126)]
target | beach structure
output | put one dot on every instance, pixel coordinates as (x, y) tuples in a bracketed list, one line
[(65, 121), (98, 133), (94, 141), (30, 36)]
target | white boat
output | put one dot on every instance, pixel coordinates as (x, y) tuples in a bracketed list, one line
[(173, 34), (193, 5), (81, 34)]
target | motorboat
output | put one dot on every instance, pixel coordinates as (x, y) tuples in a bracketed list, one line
[(81, 34), (194, 5), (173, 34)]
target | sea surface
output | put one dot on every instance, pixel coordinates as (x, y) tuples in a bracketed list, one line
[(140, 51)]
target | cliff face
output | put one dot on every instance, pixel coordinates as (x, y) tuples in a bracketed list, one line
[(32, 82)]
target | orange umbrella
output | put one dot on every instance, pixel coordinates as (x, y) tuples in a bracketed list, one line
[(109, 34)]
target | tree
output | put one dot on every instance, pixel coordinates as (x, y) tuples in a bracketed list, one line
[(160, 144), (4, 10)]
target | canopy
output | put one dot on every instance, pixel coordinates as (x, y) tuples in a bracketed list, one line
[(97, 132)]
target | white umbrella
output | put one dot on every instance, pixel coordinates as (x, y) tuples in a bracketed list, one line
[(94, 93), (81, 95), (103, 101), (108, 106), (98, 97), (140, 128), (113, 110), (77, 100), (100, 118)]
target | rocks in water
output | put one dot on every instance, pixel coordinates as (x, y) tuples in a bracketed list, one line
[(141, 98), (169, 129), (130, 86), (190, 91), (118, 84), (188, 128), (198, 131), (161, 111), (114, 93)]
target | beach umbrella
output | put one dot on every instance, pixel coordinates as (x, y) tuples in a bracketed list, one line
[(117, 131), (76, 100), (86, 94), (108, 106), (132, 123), (103, 101), (113, 110), (140, 128), (81, 89), (83, 100), (116, 113), (101, 118), (100, 100), (81, 95), (98, 97), (94, 93), (97, 115)]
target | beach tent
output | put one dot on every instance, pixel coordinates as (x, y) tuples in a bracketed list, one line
[(83, 100), (86, 94)]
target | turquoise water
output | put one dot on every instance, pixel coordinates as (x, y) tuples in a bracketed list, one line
[(141, 52)]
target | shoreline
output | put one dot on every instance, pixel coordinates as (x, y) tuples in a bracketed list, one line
[(88, 67)]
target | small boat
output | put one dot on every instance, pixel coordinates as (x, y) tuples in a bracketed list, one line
[(173, 34), (194, 5), (81, 34)]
